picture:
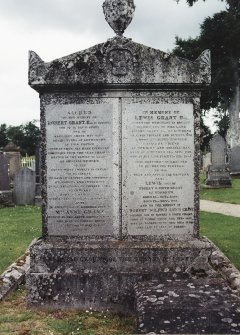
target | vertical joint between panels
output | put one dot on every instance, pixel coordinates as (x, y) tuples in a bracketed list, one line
[(120, 168)]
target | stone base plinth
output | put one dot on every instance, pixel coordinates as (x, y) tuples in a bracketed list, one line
[(235, 173), (102, 275), (218, 178), (218, 183)]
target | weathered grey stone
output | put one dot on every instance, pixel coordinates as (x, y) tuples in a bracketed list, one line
[(38, 196), (120, 163), (233, 134), (6, 198), (225, 268), (218, 171), (186, 306), (115, 62), (158, 167), (4, 178), (13, 155), (24, 187), (11, 147), (235, 160), (14, 275), (102, 275), (37, 164), (118, 14), (83, 168), (206, 161)]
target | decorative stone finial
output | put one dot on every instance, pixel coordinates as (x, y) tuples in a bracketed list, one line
[(118, 14)]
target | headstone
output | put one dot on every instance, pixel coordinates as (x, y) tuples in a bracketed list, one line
[(5, 192), (13, 155), (24, 187), (120, 165), (218, 175), (235, 161), (4, 179), (206, 161)]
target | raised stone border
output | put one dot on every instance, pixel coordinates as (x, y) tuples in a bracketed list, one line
[(15, 274), (225, 268)]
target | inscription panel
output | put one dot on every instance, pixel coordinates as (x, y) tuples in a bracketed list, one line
[(158, 170), (82, 169)]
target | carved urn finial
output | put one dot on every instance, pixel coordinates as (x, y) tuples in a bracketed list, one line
[(118, 14)]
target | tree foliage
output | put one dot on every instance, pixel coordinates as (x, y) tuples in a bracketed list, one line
[(3, 135), (205, 136), (223, 123), (26, 136), (221, 34), (232, 5)]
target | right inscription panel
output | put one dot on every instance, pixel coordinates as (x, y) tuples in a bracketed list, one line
[(158, 170)]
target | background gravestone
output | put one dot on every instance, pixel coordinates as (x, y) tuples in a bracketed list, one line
[(24, 187), (218, 171), (13, 155), (4, 179), (235, 160), (206, 161), (5, 192), (120, 164)]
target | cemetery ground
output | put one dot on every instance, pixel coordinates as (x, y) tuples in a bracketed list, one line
[(227, 195), (18, 227), (15, 318)]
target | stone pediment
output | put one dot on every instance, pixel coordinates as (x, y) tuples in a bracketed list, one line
[(118, 61)]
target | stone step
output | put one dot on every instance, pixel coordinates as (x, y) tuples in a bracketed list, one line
[(186, 306)]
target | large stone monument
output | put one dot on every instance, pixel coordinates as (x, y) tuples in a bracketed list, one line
[(218, 175), (120, 166)]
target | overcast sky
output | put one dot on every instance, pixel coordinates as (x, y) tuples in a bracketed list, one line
[(56, 28)]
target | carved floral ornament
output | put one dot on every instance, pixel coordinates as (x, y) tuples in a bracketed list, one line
[(118, 14), (120, 58), (122, 62)]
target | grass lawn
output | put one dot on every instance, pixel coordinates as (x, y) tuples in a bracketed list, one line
[(224, 231), (229, 195), (16, 319), (18, 226)]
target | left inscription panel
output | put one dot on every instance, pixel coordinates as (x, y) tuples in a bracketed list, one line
[(83, 169)]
